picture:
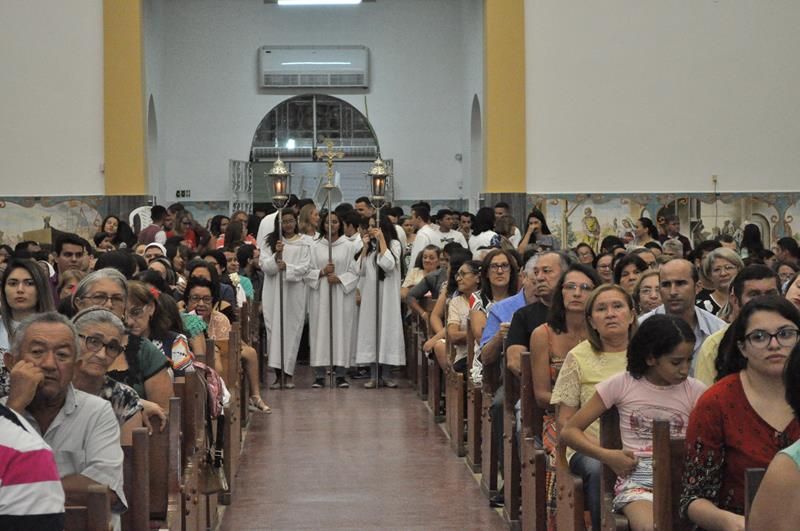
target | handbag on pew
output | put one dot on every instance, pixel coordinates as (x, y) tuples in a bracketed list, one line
[(212, 478)]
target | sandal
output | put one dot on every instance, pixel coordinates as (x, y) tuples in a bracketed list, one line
[(256, 404)]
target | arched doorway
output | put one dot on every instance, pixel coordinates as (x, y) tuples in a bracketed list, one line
[(296, 128)]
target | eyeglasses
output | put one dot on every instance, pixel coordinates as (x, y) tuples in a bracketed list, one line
[(725, 269), (100, 299), (572, 286), (786, 337), (462, 274), (500, 267), (196, 298), (136, 311), (94, 344), (603, 266)]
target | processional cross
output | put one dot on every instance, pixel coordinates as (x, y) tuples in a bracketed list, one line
[(329, 155)]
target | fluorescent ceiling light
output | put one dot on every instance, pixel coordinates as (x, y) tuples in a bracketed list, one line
[(326, 63), (317, 2)]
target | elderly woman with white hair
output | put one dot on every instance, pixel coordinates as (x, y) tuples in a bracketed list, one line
[(720, 266), (101, 335), (143, 367)]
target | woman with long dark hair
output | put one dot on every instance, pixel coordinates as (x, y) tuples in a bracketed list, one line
[(25, 292), (380, 279), (645, 232), (538, 233), (751, 246), (289, 254), (333, 291), (743, 420), (484, 238)]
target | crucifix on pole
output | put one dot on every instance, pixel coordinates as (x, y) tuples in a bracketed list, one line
[(329, 155)]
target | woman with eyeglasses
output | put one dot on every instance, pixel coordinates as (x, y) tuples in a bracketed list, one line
[(610, 324), (101, 335), (147, 317), (25, 292), (287, 253), (143, 367), (777, 504), (743, 420), (199, 299), (549, 345), (647, 293), (720, 266)]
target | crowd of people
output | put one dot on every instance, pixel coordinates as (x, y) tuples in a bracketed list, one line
[(92, 335)]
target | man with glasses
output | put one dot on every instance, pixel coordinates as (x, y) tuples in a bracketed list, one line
[(753, 281), (677, 280), (80, 428)]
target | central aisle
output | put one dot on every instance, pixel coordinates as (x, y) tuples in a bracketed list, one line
[(352, 459)]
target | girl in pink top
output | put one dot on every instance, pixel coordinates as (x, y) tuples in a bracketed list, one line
[(656, 386)]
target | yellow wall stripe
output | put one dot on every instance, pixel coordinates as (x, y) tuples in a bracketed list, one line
[(504, 86), (123, 84)]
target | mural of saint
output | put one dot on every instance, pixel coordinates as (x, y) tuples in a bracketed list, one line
[(591, 228)]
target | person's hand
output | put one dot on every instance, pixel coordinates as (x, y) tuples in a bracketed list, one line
[(329, 268), (279, 246), (151, 409), (503, 330), (25, 380), (333, 279), (622, 462), (365, 240), (281, 265)]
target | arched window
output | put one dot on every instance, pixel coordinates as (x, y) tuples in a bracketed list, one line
[(294, 128)]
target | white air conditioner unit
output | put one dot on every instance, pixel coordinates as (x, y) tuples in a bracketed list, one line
[(313, 67)]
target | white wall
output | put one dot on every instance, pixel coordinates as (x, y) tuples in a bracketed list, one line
[(628, 96), (51, 97), (418, 101)]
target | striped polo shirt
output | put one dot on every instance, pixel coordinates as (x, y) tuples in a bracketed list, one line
[(31, 496)]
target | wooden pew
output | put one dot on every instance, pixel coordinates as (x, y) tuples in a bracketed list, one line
[(165, 471), (569, 495), (232, 366), (94, 516), (668, 463), (489, 448), (423, 329), (533, 503), (193, 396), (435, 400), (610, 438), (473, 449), (135, 473), (752, 480), (455, 403), (511, 461)]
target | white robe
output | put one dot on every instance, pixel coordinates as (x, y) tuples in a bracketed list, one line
[(392, 345), (297, 255), (343, 308)]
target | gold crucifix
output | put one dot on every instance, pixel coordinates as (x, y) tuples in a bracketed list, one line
[(329, 154)]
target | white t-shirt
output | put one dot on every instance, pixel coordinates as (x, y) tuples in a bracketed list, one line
[(451, 236), (484, 239)]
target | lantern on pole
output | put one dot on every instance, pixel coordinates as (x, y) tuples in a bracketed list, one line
[(280, 180), (377, 176)]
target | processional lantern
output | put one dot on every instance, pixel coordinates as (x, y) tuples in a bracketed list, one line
[(280, 181), (378, 175)]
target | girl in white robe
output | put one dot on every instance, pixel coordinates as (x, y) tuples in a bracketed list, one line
[(391, 349), (340, 279), (292, 254)]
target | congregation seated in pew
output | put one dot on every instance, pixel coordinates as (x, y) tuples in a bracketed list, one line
[(656, 386), (80, 428)]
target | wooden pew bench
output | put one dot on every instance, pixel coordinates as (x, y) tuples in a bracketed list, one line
[(511, 461), (94, 516), (489, 448), (533, 496), (473, 445)]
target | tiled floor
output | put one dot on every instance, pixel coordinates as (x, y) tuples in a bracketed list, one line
[(352, 459)]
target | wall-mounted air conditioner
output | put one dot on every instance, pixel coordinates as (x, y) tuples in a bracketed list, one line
[(313, 66)]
